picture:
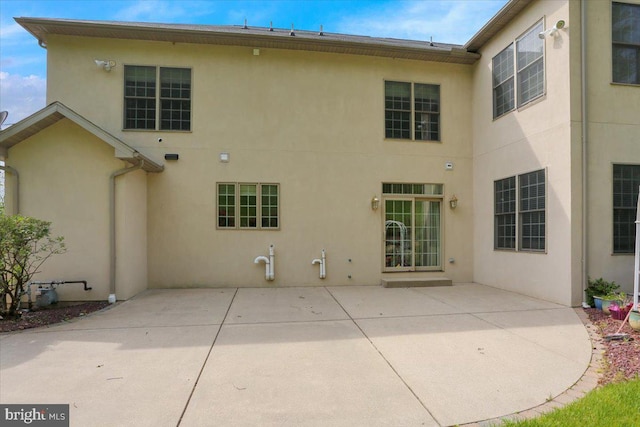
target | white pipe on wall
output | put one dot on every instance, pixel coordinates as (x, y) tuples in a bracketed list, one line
[(269, 273), (323, 266)]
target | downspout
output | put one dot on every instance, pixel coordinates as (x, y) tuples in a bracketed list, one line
[(112, 226), (583, 108), (14, 172)]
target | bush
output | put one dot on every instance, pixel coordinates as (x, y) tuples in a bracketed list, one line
[(25, 244), (599, 287)]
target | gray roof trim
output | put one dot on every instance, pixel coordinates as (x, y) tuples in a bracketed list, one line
[(256, 37), (57, 111), (495, 24)]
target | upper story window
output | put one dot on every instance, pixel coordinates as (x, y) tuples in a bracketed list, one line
[(412, 111), (157, 92), (518, 79), (625, 23), (626, 182)]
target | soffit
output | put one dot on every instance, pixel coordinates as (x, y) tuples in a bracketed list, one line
[(495, 24), (256, 37)]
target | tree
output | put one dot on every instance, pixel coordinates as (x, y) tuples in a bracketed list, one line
[(25, 244)]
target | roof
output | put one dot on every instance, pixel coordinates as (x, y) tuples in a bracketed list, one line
[(57, 111), (256, 37), (495, 24)]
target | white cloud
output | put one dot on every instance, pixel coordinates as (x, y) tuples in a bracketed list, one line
[(21, 96)]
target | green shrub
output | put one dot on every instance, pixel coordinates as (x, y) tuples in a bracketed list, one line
[(25, 244)]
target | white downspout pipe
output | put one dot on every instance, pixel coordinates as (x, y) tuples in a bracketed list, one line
[(16, 196), (636, 267), (322, 261), (585, 157), (112, 226), (269, 268)]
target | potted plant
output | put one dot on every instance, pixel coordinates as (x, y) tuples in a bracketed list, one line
[(597, 289), (613, 298), (634, 318), (619, 312)]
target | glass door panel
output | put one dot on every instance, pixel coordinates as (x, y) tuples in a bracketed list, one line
[(427, 233), (398, 234)]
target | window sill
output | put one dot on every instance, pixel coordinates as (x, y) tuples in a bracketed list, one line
[(157, 130), (413, 140), (625, 84)]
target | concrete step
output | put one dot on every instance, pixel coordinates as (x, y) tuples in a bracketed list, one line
[(415, 283)]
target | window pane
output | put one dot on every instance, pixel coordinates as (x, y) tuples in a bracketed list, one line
[(175, 95), (398, 222), (626, 64), (626, 23), (530, 62), (427, 112), (269, 205), (427, 234), (248, 205), (626, 183), (139, 98), (226, 205), (532, 210), (505, 213), (397, 110)]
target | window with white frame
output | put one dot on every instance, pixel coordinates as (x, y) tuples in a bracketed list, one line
[(412, 111), (626, 182), (625, 24), (248, 206), (518, 77), (520, 212), (157, 98)]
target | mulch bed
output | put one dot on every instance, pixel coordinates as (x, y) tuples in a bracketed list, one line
[(622, 358), (50, 315)]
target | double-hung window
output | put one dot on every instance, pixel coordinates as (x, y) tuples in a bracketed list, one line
[(626, 182), (157, 98), (518, 77), (248, 206), (625, 23), (520, 212), (412, 111)]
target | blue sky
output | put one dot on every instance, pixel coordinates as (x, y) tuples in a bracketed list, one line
[(23, 62)]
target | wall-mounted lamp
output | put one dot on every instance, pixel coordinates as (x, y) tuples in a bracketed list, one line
[(105, 65), (224, 157), (453, 202), (552, 31), (375, 203)]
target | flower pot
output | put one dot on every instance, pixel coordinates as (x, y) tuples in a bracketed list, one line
[(598, 302), (634, 319), (606, 303), (619, 312)]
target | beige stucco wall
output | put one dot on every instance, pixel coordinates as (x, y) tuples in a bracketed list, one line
[(536, 136), (312, 122), (64, 178), (614, 138)]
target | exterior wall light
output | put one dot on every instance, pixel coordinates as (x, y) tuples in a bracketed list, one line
[(375, 203), (453, 202), (224, 157), (106, 65)]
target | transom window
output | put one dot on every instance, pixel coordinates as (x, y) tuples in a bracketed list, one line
[(248, 206), (412, 227), (412, 111), (625, 22), (151, 92), (520, 212), (626, 182), (526, 67)]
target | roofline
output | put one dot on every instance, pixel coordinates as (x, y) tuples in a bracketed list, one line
[(256, 37), (55, 112), (495, 24)]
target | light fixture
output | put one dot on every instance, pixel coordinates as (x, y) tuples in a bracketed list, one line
[(375, 203), (224, 157), (106, 65), (552, 31), (453, 202)]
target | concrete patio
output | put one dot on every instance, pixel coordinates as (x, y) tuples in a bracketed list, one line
[(339, 356)]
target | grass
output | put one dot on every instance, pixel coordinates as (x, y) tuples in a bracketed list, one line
[(612, 405)]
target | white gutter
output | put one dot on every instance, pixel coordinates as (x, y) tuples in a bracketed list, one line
[(14, 172), (112, 226), (585, 162)]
